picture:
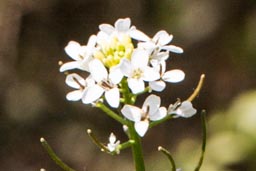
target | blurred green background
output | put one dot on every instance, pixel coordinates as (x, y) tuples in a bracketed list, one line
[(218, 37)]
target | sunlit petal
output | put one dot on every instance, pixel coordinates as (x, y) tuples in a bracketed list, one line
[(92, 94), (162, 37), (74, 95), (139, 58), (159, 114), (69, 66), (126, 67), (73, 49), (173, 48), (115, 74), (138, 35), (98, 70), (152, 103), (150, 74), (157, 85), (113, 97), (75, 81), (141, 127), (123, 25), (107, 28), (174, 76), (136, 85), (132, 113), (186, 110)]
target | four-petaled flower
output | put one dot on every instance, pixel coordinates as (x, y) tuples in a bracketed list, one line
[(171, 76), (123, 27), (81, 54), (137, 71), (150, 111), (80, 84), (104, 84), (184, 109), (113, 143)]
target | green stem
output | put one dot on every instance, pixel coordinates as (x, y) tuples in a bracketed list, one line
[(168, 154), (130, 98), (54, 157), (136, 149), (110, 113), (203, 120), (155, 123)]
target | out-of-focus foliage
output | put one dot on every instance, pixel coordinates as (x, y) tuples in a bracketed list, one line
[(231, 139)]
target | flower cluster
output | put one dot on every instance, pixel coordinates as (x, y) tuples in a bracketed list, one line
[(122, 62)]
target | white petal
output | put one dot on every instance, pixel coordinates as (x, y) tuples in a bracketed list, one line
[(161, 56), (148, 45), (92, 94), (98, 70), (157, 85), (141, 127), (174, 76), (139, 58), (75, 81), (112, 138), (73, 49), (115, 74), (123, 25), (162, 37), (152, 103), (173, 48), (126, 67), (138, 35), (74, 95), (92, 41), (107, 28), (136, 85), (150, 74), (186, 110), (132, 113), (69, 66), (113, 97), (159, 114)]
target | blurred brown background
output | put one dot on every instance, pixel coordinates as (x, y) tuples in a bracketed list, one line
[(218, 37)]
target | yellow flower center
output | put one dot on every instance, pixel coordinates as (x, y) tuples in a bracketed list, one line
[(111, 52)]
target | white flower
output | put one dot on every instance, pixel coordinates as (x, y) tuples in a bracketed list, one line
[(150, 110), (123, 26), (113, 143), (79, 83), (137, 71), (104, 84), (158, 48), (171, 76), (81, 54), (184, 109)]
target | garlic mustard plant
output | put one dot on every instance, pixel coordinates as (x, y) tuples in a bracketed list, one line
[(121, 63)]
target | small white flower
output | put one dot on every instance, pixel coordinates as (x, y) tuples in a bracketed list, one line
[(104, 85), (185, 109), (80, 84), (80, 54), (171, 76), (123, 26), (113, 143), (158, 48), (137, 71), (150, 110)]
